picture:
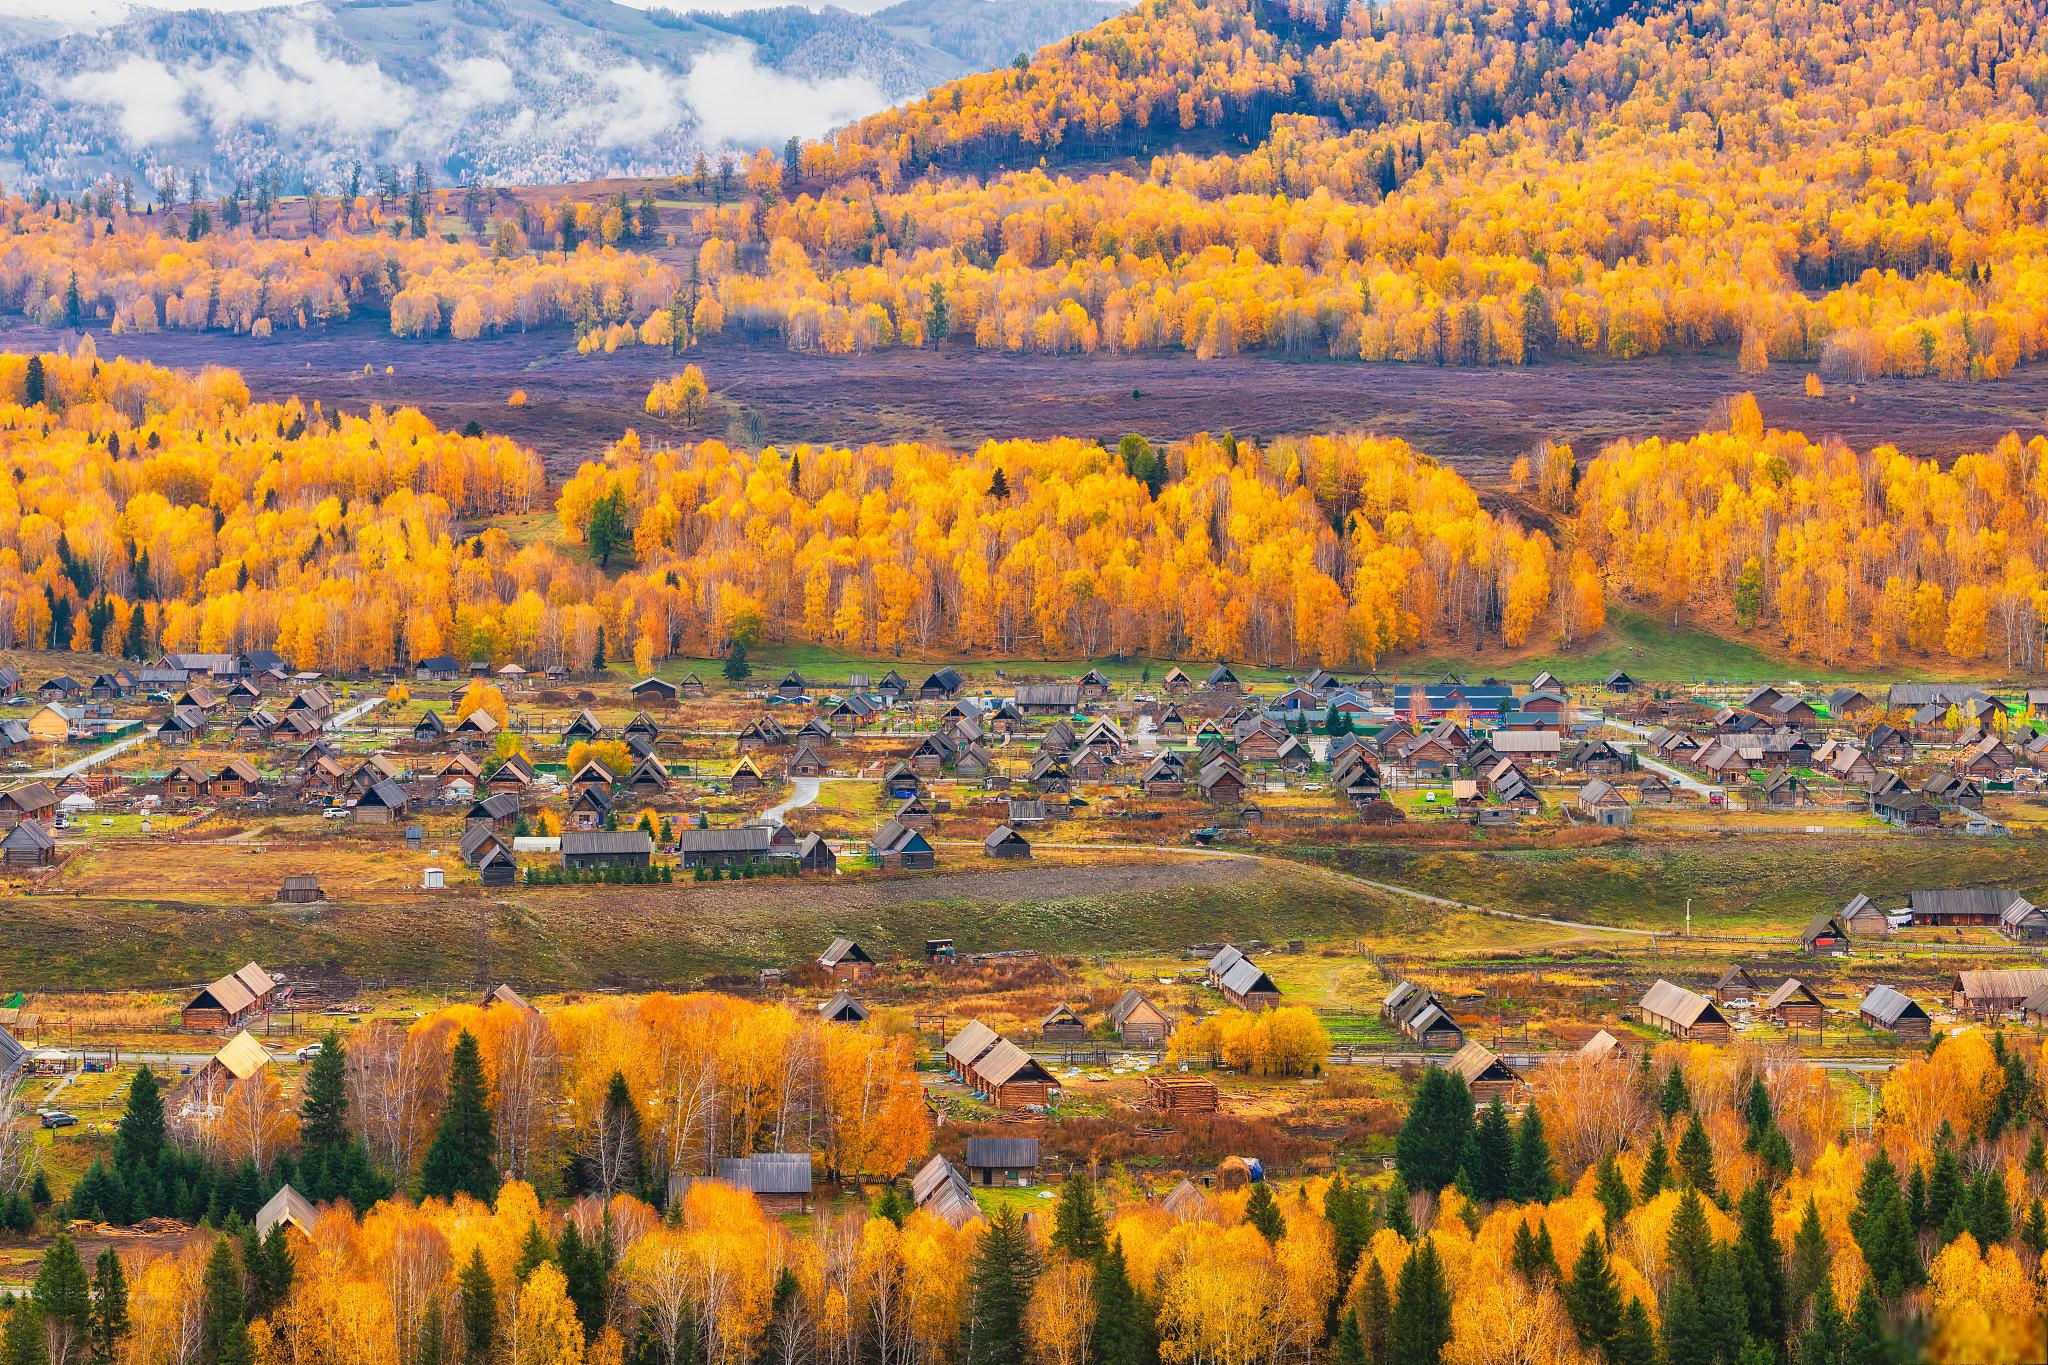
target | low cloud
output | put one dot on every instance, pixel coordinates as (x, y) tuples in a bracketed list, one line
[(739, 102), (146, 99)]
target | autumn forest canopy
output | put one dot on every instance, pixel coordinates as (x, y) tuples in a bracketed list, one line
[(1856, 187)]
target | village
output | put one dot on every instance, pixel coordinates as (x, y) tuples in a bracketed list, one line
[(1198, 1061)]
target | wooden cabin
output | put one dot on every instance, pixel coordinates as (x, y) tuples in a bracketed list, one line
[(1137, 1021), (1486, 1075), (1894, 1012), (1683, 1014), (1794, 1005)]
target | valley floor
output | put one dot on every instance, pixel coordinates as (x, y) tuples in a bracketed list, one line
[(1476, 419)]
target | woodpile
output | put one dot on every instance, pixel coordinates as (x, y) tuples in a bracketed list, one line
[(1181, 1094)]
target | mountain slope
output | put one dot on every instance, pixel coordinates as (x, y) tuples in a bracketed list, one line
[(518, 91)]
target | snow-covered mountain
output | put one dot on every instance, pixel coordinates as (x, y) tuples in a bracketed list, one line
[(507, 91)]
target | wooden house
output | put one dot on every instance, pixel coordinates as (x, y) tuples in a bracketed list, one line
[(745, 776), (733, 846), (690, 685), (586, 849), (1862, 917), (1247, 987), (1684, 1014), (237, 780), (233, 1000), (382, 804), (896, 845), (845, 959), (940, 1190), (1421, 1017), (584, 726), (184, 782), (1486, 1075), (28, 843), (1062, 1025), (1894, 1012), (1735, 985), (655, 692), (286, 1209), (843, 1009), (1794, 1005), (1004, 842), (1824, 934), (1011, 1079), (300, 888), (813, 854), (806, 761), (1986, 993), (1002, 1160), (1137, 1021), (779, 1181), (1959, 908)]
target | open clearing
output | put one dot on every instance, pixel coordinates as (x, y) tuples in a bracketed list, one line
[(1477, 419)]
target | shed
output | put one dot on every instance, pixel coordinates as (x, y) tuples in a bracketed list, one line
[(779, 1181), (942, 1191), (1894, 1012), (1794, 1003), (1002, 1161), (846, 958), (1137, 1021), (1011, 1078), (592, 848), (1062, 1025), (28, 844), (301, 888), (815, 855), (1683, 1014), (1247, 987), (1824, 934), (843, 1009), (1004, 842), (896, 845), (1486, 1075)]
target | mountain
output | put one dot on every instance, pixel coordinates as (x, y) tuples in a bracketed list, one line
[(508, 91)]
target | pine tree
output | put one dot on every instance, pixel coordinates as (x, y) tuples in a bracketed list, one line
[(1432, 1140), (1490, 1157), (1944, 1187), (1533, 1257), (1262, 1211), (1394, 1209), (224, 1339), (736, 667), (1611, 1189), (1350, 1341), (1123, 1328), (1675, 1098), (1761, 1261), (462, 1159), (36, 388), (1990, 1211), (1344, 1205), (1689, 1246), (21, 1343), (1592, 1298), (139, 1141), (999, 486), (1656, 1171), (1376, 1314), (323, 1112), (2034, 1230), (1696, 1157), (1807, 1266), (63, 1298), (433, 1347), (1882, 1230), (999, 1291), (1421, 1324), (109, 1308), (1637, 1344), (1078, 1226), (1822, 1343), (476, 1300), (1865, 1341), (535, 1250), (1532, 1182)]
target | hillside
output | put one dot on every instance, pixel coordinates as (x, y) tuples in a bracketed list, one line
[(507, 91), (1859, 188)]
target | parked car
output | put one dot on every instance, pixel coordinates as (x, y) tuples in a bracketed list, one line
[(57, 1118), (310, 1051), (335, 813)]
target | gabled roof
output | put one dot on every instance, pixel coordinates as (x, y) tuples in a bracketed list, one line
[(1668, 1000), (1789, 990), (286, 1206), (843, 950), (768, 1172), (1245, 978), (896, 837), (1477, 1062), (1132, 1002), (1001, 1153), (970, 1043), (843, 1006), (1006, 1062), (1889, 1006), (243, 1056)]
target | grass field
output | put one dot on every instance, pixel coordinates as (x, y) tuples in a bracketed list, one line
[(1755, 884)]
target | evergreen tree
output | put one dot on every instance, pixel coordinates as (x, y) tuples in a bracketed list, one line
[(1376, 1315), (1881, 1228), (139, 1140), (1490, 1157), (1808, 1264), (1611, 1189), (22, 1341), (1822, 1343), (1944, 1186), (63, 1298), (607, 531), (1532, 1256), (1422, 1309), (736, 667), (535, 1250), (1350, 1341), (462, 1159), (1689, 1246), (1432, 1140), (1078, 1225), (891, 1204), (586, 1267), (1696, 1157), (1532, 1181), (1262, 1211), (1637, 1344), (109, 1308), (433, 1347), (1990, 1211), (1761, 1261), (1344, 1205), (1394, 1210), (2034, 1230), (1865, 1341), (1592, 1298), (1675, 1098), (1123, 1328), (476, 1299), (999, 1291), (323, 1112), (1656, 1171), (37, 387), (224, 1338)]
